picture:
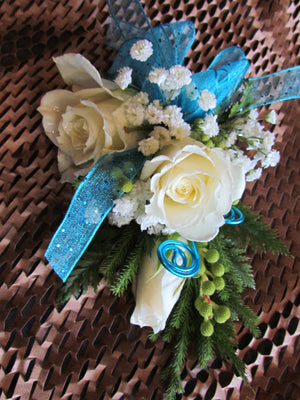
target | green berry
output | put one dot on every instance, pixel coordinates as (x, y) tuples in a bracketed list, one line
[(207, 328), (218, 269), (205, 310), (221, 314), (219, 283), (201, 271), (212, 256), (117, 173), (204, 138), (202, 245), (127, 187), (208, 288)]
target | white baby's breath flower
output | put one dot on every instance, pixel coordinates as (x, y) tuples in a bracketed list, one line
[(158, 75), (148, 146), (271, 117), (173, 116), (239, 159), (124, 79), (180, 132), (210, 125), (142, 98), (178, 77), (141, 50), (253, 175), (135, 113), (154, 114), (271, 160), (253, 114), (268, 141), (123, 211), (207, 100), (162, 135), (231, 139)]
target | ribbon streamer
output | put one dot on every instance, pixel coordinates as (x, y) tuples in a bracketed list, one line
[(91, 203), (283, 85)]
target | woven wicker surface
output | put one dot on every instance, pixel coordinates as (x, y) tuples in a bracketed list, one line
[(89, 350)]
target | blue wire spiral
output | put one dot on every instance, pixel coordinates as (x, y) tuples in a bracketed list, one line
[(234, 217), (178, 265)]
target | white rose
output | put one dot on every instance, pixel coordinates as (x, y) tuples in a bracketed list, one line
[(193, 188), (155, 294), (87, 123)]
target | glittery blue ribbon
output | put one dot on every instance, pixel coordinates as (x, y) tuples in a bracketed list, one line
[(170, 43), (91, 203)]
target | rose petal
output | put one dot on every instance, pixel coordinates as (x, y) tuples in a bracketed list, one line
[(155, 293)]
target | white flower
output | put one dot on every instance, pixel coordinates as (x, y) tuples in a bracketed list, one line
[(207, 100), (254, 174), (148, 146), (172, 116), (180, 132), (162, 135), (210, 125), (88, 123), (178, 77), (268, 141), (124, 79), (142, 98), (253, 114), (158, 75), (271, 117), (271, 160), (193, 188), (154, 114), (231, 139), (241, 160), (155, 294), (123, 211), (135, 113), (141, 50)]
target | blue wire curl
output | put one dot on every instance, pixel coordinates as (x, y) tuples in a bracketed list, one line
[(178, 265), (234, 217)]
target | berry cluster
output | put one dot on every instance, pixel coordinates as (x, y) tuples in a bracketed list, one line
[(211, 274)]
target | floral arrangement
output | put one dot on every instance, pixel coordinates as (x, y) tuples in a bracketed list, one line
[(161, 158)]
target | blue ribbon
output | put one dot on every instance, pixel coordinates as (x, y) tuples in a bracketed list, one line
[(91, 203)]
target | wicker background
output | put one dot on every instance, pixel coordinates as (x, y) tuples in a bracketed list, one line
[(89, 350)]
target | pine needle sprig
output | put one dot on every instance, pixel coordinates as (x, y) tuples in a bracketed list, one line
[(184, 319), (238, 272), (255, 233), (119, 252), (205, 351), (132, 262), (226, 349)]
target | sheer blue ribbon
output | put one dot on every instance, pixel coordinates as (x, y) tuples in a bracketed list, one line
[(91, 203), (94, 197)]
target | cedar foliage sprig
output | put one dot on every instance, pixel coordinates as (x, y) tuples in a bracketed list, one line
[(118, 263), (255, 233)]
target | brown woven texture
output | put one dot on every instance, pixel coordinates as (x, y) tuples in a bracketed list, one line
[(89, 350)]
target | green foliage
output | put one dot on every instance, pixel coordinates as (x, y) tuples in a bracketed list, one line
[(255, 233), (242, 106)]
